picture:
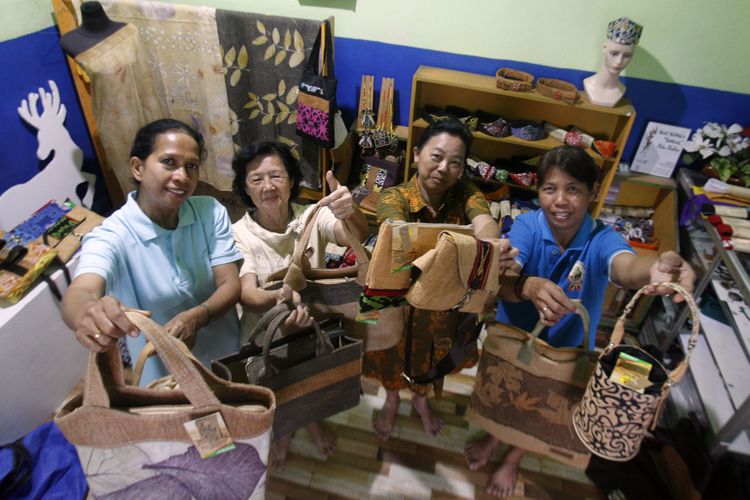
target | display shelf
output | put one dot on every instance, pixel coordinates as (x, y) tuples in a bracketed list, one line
[(717, 404), (442, 87), (721, 360)]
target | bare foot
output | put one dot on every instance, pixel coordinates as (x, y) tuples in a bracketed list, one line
[(279, 451), (502, 482), (386, 419), (323, 438), (431, 422), (478, 453)]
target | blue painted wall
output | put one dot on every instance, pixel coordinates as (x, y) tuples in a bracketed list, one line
[(31, 60)]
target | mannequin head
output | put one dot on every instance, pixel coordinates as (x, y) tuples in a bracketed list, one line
[(616, 56), (623, 35)]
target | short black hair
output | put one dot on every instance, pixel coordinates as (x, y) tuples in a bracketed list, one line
[(450, 126), (145, 138), (572, 160), (259, 149)]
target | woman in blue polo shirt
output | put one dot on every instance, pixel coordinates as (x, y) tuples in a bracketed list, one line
[(564, 254), (163, 251)]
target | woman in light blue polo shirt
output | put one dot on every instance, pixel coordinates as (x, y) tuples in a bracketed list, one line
[(163, 251), (564, 254)]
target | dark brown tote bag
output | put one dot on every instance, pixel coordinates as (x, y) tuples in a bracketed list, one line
[(314, 373), (526, 389), (612, 419)]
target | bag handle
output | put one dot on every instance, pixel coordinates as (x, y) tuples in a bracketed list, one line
[(527, 349), (619, 330), (300, 269), (271, 323), (106, 368), (323, 47)]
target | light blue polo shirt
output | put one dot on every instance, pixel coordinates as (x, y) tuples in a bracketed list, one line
[(166, 271), (540, 255)]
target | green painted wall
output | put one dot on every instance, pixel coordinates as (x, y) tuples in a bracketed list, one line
[(690, 42)]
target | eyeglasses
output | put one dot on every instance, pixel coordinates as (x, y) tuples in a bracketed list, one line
[(257, 181)]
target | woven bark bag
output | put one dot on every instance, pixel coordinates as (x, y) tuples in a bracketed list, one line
[(132, 442), (314, 373), (398, 245), (612, 419), (329, 292), (461, 272), (525, 391)]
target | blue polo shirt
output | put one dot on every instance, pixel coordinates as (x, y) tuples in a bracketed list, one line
[(166, 271), (582, 270)]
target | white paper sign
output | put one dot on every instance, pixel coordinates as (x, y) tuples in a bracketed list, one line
[(660, 149)]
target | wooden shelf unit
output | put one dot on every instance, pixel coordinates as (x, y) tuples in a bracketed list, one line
[(443, 87)]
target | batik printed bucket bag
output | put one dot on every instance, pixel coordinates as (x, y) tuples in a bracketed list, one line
[(613, 419), (525, 391), (316, 100), (148, 443)]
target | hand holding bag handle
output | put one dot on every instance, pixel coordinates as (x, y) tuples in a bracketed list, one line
[(524, 355), (271, 326), (299, 268)]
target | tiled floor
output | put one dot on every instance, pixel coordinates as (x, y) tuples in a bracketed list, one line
[(410, 464)]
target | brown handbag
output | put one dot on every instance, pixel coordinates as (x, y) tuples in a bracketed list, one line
[(314, 372), (525, 391), (133, 442), (399, 243), (329, 292), (612, 420), (464, 269)]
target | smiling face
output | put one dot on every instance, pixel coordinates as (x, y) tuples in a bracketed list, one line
[(564, 201), (440, 163), (167, 177), (617, 56), (268, 185)]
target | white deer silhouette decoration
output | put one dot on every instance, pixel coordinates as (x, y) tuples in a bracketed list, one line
[(61, 176)]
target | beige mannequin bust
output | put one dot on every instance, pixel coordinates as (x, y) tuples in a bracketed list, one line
[(604, 88)]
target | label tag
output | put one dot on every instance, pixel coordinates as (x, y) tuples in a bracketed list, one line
[(209, 435)]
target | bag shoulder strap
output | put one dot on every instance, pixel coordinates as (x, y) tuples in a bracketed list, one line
[(322, 49), (452, 360)]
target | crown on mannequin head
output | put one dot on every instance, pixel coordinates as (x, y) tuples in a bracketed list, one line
[(624, 31)]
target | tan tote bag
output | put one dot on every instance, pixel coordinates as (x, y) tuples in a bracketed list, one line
[(398, 245), (134, 442), (526, 389), (461, 272), (612, 419)]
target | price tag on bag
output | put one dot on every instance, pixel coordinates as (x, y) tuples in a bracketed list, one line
[(209, 435)]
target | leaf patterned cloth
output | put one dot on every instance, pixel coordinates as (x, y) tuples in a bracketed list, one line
[(263, 58)]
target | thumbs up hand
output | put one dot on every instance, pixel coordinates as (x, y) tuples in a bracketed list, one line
[(340, 200)]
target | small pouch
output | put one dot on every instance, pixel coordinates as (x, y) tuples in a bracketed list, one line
[(66, 234)]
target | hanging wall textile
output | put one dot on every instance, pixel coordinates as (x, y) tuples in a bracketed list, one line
[(181, 44), (123, 96), (263, 58)]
